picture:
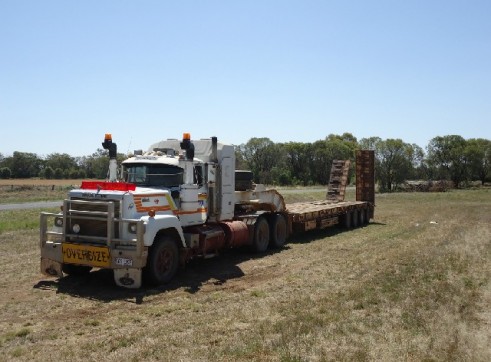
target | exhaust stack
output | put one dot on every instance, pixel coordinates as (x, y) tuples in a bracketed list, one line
[(112, 174)]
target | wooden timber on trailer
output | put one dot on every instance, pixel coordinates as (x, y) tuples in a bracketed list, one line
[(304, 216)]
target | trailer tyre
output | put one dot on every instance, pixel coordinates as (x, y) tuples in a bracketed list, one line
[(347, 220), (162, 262), (278, 231), (261, 235), (361, 217), (72, 269), (354, 220), (367, 216)]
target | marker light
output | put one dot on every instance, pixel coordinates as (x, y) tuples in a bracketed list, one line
[(186, 136), (108, 137)]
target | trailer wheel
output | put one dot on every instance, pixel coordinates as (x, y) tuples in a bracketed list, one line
[(261, 235), (278, 231), (361, 217), (347, 220), (72, 269), (354, 221), (162, 262)]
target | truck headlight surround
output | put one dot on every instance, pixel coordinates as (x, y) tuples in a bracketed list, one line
[(132, 227), (59, 221)]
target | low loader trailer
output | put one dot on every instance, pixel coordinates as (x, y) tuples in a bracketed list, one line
[(183, 199)]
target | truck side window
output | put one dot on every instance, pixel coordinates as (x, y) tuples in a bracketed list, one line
[(198, 174)]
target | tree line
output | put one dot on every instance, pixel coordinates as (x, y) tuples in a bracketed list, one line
[(449, 157), (294, 163), (55, 165)]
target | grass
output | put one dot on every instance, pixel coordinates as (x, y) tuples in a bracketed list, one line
[(413, 285), (30, 190), (12, 220)]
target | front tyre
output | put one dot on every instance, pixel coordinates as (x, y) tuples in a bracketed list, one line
[(162, 262)]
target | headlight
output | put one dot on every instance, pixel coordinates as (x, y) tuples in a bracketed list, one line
[(59, 222), (132, 227), (76, 228)]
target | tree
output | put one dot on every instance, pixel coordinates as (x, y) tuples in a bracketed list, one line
[(478, 158), (324, 152), (97, 164), (58, 173), (240, 162), (23, 164), (49, 173), (369, 143), (394, 162), (5, 173), (297, 160), (261, 155), (447, 155), (418, 162), (60, 160)]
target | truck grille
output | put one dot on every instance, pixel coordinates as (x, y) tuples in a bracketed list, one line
[(92, 217)]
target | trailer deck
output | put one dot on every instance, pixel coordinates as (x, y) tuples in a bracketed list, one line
[(304, 216)]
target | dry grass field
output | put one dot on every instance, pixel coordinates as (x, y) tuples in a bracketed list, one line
[(23, 190), (413, 285)]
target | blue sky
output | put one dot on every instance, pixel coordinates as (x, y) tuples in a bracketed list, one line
[(71, 71)]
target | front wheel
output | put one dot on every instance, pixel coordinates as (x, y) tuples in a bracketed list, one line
[(162, 262)]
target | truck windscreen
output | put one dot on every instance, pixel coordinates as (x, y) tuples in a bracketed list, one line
[(153, 175)]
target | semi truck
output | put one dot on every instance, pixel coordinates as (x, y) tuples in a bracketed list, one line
[(184, 199)]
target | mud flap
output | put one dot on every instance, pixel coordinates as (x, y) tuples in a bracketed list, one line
[(128, 278), (51, 268)]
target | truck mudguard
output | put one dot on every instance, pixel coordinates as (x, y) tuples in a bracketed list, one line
[(154, 224)]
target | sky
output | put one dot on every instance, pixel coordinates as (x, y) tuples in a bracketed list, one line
[(291, 71)]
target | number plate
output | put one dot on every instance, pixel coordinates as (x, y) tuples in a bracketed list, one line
[(96, 256), (124, 262)]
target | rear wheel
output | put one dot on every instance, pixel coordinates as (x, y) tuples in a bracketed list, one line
[(361, 214), (162, 262), (72, 269), (354, 220), (261, 235), (347, 220), (278, 231)]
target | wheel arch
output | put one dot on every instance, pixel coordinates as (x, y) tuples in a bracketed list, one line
[(163, 225)]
